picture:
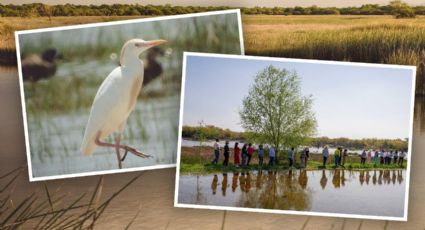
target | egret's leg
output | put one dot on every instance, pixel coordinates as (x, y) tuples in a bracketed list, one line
[(117, 149), (125, 147)]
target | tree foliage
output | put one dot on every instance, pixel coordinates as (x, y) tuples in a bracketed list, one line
[(275, 111), (401, 10), (210, 132), (397, 8)]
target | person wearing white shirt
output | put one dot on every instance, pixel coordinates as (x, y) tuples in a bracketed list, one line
[(216, 151), (401, 156)]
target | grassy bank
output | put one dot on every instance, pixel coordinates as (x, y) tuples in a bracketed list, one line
[(198, 160)]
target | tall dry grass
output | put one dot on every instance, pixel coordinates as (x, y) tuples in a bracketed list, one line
[(376, 41), (52, 209)]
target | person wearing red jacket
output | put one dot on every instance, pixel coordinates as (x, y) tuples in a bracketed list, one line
[(250, 151), (237, 154)]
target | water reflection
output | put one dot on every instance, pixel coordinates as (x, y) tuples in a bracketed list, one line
[(270, 181), (357, 192)]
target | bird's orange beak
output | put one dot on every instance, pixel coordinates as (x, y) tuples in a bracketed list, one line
[(151, 43)]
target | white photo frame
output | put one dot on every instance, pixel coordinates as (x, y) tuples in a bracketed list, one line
[(18, 34), (292, 212)]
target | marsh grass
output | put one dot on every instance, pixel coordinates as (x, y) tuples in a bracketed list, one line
[(52, 210), (363, 39)]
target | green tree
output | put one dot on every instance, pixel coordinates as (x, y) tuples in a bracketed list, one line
[(275, 111), (401, 9)]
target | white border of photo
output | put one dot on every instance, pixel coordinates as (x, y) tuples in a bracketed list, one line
[(21, 85), (262, 210)]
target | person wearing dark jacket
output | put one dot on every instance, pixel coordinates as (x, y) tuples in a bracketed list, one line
[(226, 154)]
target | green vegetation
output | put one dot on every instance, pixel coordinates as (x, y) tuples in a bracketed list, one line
[(198, 160), (366, 143), (396, 8), (210, 132), (312, 165), (275, 111)]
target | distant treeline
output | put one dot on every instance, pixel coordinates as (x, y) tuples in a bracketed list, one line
[(211, 132), (396, 144), (397, 8)]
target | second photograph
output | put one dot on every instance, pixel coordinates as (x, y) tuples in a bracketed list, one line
[(295, 136)]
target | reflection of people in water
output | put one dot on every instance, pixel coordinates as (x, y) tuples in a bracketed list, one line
[(248, 182), (367, 177), (235, 181), (336, 178), (400, 176), (323, 180), (259, 179), (302, 179), (288, 179), (394, 177), (374, 177), (343, 177), (214, 184), (380, 177), (242, 182), (361, 177), (224, 184), (387, 177)]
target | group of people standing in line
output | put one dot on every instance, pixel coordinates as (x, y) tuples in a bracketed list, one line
[(243, 156), (384, 157)]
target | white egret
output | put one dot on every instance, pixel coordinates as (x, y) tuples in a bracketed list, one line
[(115, 100)]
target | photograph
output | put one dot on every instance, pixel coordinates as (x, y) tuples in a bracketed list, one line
[(104, 97), (293, 136)]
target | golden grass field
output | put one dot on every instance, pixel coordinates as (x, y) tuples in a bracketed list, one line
[(153, 193), (374, 39)]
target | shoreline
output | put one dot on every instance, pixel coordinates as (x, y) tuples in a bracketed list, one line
[(196, 168)]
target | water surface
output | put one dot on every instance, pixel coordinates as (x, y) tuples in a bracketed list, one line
[(378, 192)]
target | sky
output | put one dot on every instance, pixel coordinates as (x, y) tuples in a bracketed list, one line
[(234, 3), (348, 100)]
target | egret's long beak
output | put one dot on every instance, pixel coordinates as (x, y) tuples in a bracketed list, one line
[(151, 43)]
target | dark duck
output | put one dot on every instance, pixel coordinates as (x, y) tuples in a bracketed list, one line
[(36, 67), (153, 68)]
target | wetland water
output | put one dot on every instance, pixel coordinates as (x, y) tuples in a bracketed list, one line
[(378, 192)]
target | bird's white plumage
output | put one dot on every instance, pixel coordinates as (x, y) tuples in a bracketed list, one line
[(113, 103)]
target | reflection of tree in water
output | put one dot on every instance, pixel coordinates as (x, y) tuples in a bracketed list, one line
[(278, 191), (224, 184), (323, 179), (235, 181)]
